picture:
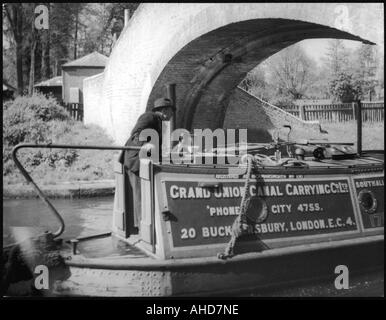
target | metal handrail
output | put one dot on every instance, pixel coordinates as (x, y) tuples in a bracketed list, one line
[(42, 196)]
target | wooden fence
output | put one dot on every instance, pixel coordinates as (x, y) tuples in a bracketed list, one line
[(340, 112), (75, 110)]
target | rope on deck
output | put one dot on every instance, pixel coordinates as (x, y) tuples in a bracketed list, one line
[(242, 223)]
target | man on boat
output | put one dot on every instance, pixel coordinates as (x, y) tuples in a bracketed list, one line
[(162, 111)]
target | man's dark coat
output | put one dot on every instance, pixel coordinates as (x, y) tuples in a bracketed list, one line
[(148, 120)]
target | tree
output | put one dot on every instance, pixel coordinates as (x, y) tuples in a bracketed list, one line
[(63, 32), (75, 29), (45, 56), (344, 80), (75, 12), (291, 72), (33, 43), (380, 76), (116, 14), (345, 88), (24, 44), (14, 14), (9, 66), (319, 87), (337, 57), (351, 75), (104, 22), (365, 69), (94, 37), (286, 76)]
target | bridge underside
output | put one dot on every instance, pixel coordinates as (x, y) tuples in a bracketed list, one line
[(208, 69), (206, 49)]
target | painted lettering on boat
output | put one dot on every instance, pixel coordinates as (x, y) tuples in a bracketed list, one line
[(375, 185), (295, 208), (288, 189), (278, 227)]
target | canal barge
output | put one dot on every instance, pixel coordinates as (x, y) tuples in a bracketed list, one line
[(306, 213)]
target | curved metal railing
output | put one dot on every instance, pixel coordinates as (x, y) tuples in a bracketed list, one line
[(42, 196)]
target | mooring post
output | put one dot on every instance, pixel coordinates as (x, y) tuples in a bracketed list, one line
[(359, 126), (171, 94), (302, 113), (354, 110), (74, 243)]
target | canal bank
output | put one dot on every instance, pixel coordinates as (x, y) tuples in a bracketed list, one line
[(73, 190)]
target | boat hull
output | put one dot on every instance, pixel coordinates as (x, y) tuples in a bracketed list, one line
[(211, 276)]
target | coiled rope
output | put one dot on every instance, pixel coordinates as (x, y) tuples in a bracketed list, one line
[(240, 226)]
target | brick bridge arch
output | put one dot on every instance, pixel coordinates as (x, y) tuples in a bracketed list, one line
[(207, 49)]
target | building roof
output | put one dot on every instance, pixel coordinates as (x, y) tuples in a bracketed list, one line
[(7, 86), (53, 82), (94, 59)]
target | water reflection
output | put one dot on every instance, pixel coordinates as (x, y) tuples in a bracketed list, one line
[(83, 217)]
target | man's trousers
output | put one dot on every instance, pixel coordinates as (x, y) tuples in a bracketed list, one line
[(135, 183)]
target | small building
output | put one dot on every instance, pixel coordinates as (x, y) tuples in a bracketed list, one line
[(8, 91), (52, 87), (75, 71)]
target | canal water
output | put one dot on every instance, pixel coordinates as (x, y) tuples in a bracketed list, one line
[(85, 217), (82, 217)]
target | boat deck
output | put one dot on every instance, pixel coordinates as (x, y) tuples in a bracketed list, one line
[(108, 247), (112, 253), (366, 160)]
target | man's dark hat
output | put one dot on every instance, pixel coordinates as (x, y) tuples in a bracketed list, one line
[(162, 103)]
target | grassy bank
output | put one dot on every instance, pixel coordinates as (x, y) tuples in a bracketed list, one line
[(88, 165), (372, 133), (41, 120)]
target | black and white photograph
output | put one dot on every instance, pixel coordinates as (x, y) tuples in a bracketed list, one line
[(193, 150)]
